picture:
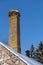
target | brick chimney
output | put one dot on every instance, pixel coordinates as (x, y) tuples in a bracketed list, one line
[(14, 33)]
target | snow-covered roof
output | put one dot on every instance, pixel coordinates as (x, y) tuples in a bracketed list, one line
[(27, 60)]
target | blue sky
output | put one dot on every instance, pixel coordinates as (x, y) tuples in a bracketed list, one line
[(31, 21)]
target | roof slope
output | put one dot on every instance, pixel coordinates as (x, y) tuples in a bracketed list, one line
[(28, 61)]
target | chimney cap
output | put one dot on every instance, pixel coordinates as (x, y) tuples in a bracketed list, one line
[(13, 12)]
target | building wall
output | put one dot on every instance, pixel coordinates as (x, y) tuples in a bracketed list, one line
[(7, 58)]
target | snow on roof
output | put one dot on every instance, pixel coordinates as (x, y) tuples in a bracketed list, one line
[(27, 60)]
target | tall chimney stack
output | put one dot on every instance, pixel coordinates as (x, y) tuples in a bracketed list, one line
[(14, 34)]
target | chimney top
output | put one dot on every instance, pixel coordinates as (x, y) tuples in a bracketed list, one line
[(13, 12)]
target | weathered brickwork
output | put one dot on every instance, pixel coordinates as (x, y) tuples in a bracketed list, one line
[(14, 32), (8, 58)]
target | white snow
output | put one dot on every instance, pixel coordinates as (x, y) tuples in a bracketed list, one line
[(14, 10), (27, 60)]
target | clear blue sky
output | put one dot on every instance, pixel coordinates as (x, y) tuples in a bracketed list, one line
[(31, 21)]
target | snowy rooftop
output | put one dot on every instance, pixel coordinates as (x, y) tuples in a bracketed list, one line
[(27, 60)]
